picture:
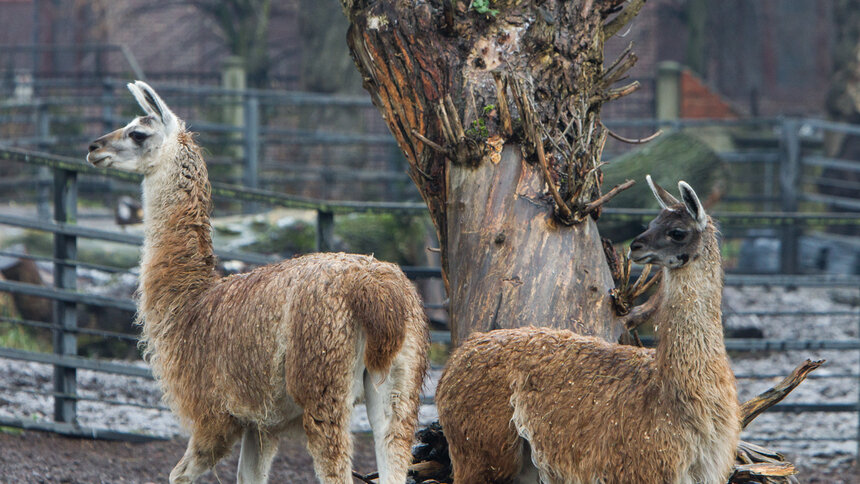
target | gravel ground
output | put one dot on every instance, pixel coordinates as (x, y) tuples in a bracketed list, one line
[(796, 435)]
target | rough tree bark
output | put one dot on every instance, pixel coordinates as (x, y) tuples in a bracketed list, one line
[(496, 105)]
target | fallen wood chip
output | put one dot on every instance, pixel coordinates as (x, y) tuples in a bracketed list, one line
[(757, 472), (750, 454)]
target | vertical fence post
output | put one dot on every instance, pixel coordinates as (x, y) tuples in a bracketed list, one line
[(788, 187), (252, 147), (325, 231), (65, 317), (43, 180), (108, 101)]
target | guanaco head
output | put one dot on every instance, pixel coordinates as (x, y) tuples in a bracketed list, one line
[(138, 146), (674, 238)]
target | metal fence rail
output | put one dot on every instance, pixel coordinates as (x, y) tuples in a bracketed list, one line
[(65, 261)]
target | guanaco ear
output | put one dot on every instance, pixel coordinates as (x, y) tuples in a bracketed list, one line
[(150, 102), (665, 198), (694, 206)]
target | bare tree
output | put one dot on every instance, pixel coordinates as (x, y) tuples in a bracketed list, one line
[(496, 106)]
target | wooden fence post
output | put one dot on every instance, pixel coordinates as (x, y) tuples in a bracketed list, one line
[(788, 186), (325, 231), (252, 147), (65, 316)]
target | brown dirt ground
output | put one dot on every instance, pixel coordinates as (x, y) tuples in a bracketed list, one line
[(41, 457)]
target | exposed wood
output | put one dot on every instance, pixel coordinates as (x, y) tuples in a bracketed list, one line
[(760, 471), (751, 409), (608, 196), (434, 69), (527, 268), (623, 18), (634, 141)]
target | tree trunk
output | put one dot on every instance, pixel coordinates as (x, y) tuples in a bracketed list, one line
[(512, 264), (496, 106)]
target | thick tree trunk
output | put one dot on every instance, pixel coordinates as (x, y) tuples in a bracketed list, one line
[(512, 264), (496, 108)]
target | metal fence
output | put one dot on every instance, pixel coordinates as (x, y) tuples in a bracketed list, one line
[(320, 145), (291, 142), (66, 298), (275, 143)]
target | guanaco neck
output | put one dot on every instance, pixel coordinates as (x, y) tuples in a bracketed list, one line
[(178, 261), (690, 349)]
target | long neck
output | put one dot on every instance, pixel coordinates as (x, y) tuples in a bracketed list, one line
[(690, 335), (178, 261)]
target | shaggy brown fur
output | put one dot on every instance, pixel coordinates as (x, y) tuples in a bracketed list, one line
[(593, 411), (286, 347)]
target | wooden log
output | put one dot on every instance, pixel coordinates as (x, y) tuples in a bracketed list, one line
[(751, 409)]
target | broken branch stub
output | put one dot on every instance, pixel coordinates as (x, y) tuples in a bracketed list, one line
[(754, 407)]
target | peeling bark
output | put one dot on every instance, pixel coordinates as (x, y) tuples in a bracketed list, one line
[(518, 245)]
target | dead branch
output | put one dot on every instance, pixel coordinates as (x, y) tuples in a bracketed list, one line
[(530, 123), (607, 196), (610, 78), (447, 131), (618, 59), (614, 94), (586, 9), (430, 143), (369, 478), (751, 409), (640, 314), (749, 453), (456, 123), (504, 110), (616, 24), (563, 209), (633, 141)]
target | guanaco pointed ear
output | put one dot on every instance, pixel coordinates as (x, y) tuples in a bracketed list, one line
[(694, 206), (665, 198), (150, 102)]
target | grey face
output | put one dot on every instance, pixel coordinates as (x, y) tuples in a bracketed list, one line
[(137, 147), (674, 238), (128, 148)]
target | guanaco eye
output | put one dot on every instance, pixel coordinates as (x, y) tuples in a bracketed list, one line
[(677, 234), (137, 136)]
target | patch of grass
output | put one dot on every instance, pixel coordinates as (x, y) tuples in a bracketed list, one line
[(439, 353), (14, 336), (11, 430), (389, 237)]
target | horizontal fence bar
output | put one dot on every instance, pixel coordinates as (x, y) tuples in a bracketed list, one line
[(823, 161), (70, 262), (66, 295), (832, 126), (748, 157), (789, 313), (76, 362), (835, 438), (843, 202), (83, 398), (753, 219), (811, 376), (736, 344), (78, 330), (119, 237), (75, 430)]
